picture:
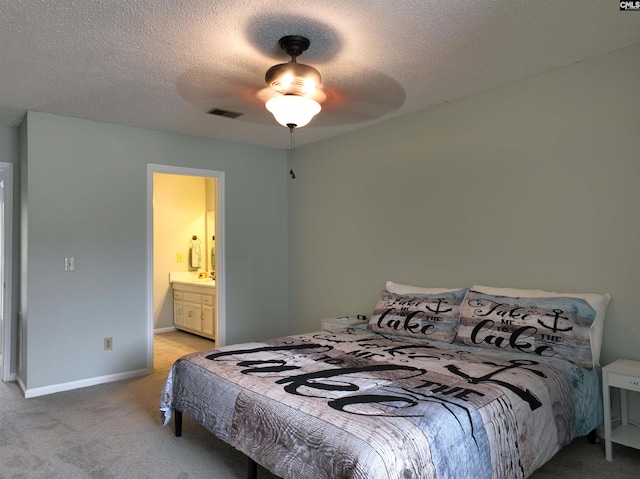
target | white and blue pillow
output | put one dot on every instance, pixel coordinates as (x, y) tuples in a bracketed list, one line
[(432, 315), (543, 323)]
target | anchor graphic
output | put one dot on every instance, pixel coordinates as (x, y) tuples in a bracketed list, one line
[(524, 394), (556, 315)]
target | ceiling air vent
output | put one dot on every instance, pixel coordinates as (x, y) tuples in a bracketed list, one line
[(225, 113)]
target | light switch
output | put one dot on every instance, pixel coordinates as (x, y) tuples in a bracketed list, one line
[(69, 264)]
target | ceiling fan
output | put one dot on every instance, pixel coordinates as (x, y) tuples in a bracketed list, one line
[(233, 88), (296, 88)]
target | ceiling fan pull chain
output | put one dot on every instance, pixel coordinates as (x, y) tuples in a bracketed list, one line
[(293, 146)]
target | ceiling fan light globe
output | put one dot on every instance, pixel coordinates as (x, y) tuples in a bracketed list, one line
[(293, 109)]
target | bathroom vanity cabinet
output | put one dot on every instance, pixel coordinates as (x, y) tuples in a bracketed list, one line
[(194, 308)]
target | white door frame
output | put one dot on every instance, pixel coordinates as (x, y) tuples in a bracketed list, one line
[(221, 329), (7, 274)]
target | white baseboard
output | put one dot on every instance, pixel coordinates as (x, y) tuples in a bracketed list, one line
[(164, 330), (57, 388)]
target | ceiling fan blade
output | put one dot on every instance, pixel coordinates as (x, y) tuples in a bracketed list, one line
[(349, 93), (355, 98), (207, 88)]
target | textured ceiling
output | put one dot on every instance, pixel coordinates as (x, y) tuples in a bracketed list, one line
[(163, 64)]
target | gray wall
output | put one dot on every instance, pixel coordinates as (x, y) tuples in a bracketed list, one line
[(530, 185), (86, 194)]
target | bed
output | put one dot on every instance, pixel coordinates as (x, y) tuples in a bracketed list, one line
[(476, 383)]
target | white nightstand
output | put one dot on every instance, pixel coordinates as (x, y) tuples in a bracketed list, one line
[(623, 374), (336, 324)]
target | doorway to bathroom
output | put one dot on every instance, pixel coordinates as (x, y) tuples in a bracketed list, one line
[(185, 244)]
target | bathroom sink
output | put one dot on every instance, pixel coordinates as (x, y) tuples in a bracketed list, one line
[(195, 282)]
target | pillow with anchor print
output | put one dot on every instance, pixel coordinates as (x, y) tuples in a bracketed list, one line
[(562, 325), (426, 316)]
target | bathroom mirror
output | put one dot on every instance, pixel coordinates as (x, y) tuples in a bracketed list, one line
[(210, 220)]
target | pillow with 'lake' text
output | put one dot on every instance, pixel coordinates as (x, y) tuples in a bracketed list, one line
[(562, 325), (425, 316)]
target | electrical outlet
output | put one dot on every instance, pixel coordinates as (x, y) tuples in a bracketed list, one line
[(179, 258), (108, 344), (69, 264)]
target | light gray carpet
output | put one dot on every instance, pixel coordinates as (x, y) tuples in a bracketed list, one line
[(113, 431)]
